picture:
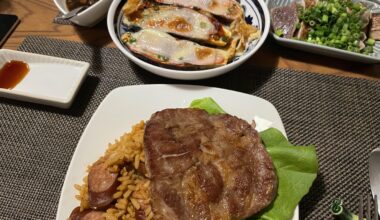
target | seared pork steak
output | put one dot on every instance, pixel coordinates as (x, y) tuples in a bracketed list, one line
[(206, 166)]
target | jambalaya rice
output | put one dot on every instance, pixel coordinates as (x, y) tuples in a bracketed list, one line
[(133, 194)]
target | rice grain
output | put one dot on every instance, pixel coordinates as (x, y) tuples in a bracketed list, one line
[(124, 156)]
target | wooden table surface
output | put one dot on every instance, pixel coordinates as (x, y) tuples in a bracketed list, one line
[(37, 15)]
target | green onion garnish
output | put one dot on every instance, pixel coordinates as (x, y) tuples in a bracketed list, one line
[(340, 212), (278, 32), (370, 42), (336, 23)]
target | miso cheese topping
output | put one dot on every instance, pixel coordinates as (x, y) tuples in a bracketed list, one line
[(164, 48)]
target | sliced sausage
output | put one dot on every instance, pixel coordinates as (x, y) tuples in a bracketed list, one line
[(87, 214), (140, 215), (102, 184), (93, 215), (75, 214)]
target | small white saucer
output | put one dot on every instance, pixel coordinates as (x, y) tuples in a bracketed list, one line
[(50, 81)]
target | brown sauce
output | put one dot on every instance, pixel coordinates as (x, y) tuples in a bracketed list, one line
[(12, 73), (180, 24), (135, 16), (202, 53), (156, 23), (213, 4), (73, 4)]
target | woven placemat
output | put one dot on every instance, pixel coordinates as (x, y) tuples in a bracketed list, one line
[(339, 115), (59, 20)]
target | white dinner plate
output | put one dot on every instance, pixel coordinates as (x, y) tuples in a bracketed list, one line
[(126, 106)]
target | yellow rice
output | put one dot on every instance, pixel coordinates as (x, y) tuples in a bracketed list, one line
[(133, 192)]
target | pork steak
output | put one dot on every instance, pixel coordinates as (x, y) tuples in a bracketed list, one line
[(206, 166)]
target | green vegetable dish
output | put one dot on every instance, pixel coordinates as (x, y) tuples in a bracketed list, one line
[(296, 167), (342, 24)]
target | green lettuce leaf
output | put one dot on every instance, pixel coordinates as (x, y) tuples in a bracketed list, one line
[(208, 104), (296, 167)]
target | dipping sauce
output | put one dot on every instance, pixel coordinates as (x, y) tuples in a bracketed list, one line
[(12, 73), (73, 4)]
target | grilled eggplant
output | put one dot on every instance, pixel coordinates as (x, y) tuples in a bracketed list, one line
[(163, 48), (182, 22)]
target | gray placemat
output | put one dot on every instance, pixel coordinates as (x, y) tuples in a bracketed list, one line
[(59, 20), (339, 115)]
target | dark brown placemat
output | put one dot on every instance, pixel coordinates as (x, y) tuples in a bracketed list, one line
[(339, 115)]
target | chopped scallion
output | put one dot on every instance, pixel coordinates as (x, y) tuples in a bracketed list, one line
[(370, 42), (278, 32), (325, 18), (335, 23)]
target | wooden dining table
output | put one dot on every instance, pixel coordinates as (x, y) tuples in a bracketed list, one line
[(37, 19), (328, 103)]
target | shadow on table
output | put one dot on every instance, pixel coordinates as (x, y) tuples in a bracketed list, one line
[(78, 106), (315, 194), (246, 78), (4, 5), (267, 55), (97, 37)]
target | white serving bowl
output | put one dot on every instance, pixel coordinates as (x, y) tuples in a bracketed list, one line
[(256, 9), (89, 17)]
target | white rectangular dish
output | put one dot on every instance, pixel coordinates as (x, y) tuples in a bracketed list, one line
[(51, 80), (325, 50), (126, 106)]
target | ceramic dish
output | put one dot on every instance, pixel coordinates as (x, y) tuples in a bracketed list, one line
[(325, 50), (50, 81), (123, 108), (255, 10), (89, 17)]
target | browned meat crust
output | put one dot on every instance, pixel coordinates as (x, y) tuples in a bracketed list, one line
[(206, 167)]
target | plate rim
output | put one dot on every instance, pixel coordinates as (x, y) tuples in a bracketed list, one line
[(119, 91)]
